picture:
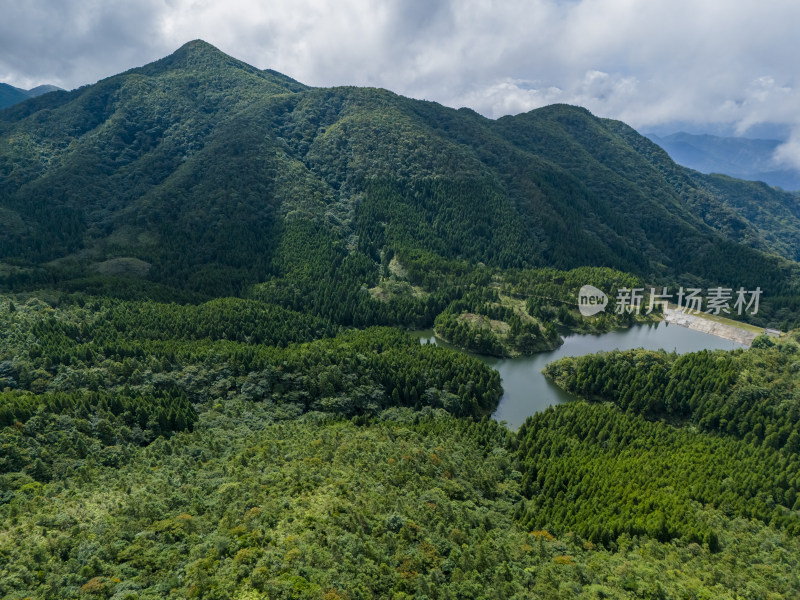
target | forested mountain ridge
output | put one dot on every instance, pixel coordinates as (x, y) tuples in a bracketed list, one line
[(200, 175), (158, 439), (723, 201), (743, 158)]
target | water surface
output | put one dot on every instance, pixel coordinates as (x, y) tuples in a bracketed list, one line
[(527, 391)]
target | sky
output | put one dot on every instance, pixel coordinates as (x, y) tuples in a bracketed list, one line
[(721, 66)]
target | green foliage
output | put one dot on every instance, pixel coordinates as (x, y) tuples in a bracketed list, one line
[(762, 341), (160, 439), (153, 449), (461, 219), (601, 473), (480, 322), (218, 350), (199, 176), (320, 509), (55, 435), (748, 395), (773, 211)]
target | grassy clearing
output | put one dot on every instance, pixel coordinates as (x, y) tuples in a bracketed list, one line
[(484, 322), (390, 289)]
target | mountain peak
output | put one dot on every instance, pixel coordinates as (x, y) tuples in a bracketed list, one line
[(200, 56), (200, 52), (198, 47), (43, 89), (193, 55)]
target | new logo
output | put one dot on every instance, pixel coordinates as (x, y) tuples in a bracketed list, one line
[(591, 300)]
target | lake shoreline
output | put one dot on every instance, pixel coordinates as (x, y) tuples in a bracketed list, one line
[(527, 391), (699, 323)]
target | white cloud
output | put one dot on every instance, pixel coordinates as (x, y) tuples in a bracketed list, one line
[(510, 97), (788, 155)]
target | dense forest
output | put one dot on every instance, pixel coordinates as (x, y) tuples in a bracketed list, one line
[(237, 449), (199, 176), (208, 389), (747, 395)]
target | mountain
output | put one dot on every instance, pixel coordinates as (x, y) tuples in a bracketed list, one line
[(10, 95), (42, 89), (733, 156), (259, 446), (201, 174)]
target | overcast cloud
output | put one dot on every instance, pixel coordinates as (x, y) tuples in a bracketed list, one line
[(647, 62)]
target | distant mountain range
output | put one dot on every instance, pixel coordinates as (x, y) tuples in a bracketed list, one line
[(10, 95), (743, 158)]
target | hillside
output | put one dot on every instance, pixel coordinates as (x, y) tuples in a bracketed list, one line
[(10, 95), (199, 175), (206, 390), (234, 450), (744, 158)]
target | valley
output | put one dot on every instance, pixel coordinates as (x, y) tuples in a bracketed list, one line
[(214, 282)]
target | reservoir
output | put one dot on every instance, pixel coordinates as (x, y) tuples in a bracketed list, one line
[(526, 390)]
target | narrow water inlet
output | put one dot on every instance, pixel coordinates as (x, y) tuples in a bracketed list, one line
[(527, 391)]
